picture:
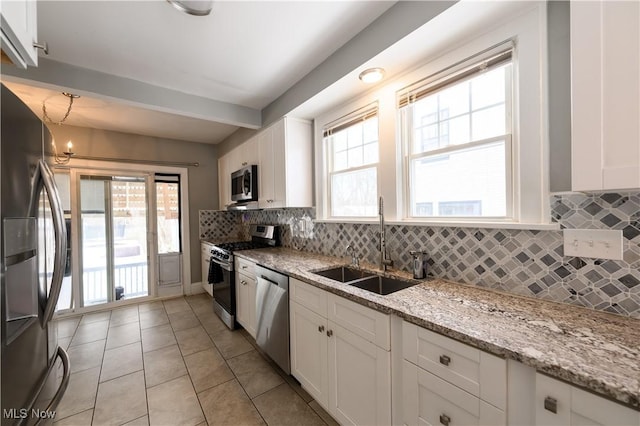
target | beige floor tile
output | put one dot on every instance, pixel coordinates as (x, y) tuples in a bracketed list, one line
[(207, 369), (123, 335), (326, 417), (80, 394), (124, 315), (90, 332), (121, 400), (183, 320), (227, 404), (67, 327), (201, 303), (254, 374), (80, 419), (231, 343), (174, 403), (193, 340), (150, 306), (154, 318), (142, 421), (211, 323), (121, 361), (157, 337), (294, 384), (86, 356), (176, 305), (282, 406), (163, 365), (95, 317)]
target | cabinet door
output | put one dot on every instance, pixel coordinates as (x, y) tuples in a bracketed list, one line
[(242, 298), (359, 379), (251, 289), (266, 169), (309, 351), (224, 182), (20, 31), (278, 141), (249, 152)]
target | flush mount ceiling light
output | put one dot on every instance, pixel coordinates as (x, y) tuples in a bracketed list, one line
[(193, 7), (371, 75)]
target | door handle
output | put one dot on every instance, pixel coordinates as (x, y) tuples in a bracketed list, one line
[(60, 255)]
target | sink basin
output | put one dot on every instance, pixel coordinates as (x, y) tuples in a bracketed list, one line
[(344, 274), (381, 285)]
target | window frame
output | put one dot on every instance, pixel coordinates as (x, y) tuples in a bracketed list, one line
[(464, 70)]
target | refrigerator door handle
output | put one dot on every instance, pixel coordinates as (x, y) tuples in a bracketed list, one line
[(60, 256)]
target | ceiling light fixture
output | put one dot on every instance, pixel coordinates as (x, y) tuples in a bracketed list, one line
[(193, 7), (371, 75)]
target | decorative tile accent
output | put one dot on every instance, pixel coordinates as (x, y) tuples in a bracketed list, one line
[(524, 262)]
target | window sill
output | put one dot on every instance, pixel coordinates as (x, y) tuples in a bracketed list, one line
[(452, 224)]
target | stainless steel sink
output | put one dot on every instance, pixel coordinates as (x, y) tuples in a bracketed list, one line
[(344, 274), (381, 285)]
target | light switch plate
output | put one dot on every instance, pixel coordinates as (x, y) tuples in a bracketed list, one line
[(593, 243)]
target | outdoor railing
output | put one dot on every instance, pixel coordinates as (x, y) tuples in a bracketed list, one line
[(132, 277)]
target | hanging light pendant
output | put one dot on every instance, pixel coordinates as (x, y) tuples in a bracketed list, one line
[(193, 7)]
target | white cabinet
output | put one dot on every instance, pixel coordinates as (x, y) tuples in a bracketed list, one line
[(605, 90), (559, 403), (340, 354), (224, 181), (448, 382), (19, 23), (246, 285), (205, 249), (285, 167)]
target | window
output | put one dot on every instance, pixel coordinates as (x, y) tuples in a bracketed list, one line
[(352, 164), (457, 139), (168, 217)]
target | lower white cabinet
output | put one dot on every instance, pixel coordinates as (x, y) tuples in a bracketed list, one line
[(559, 403), (246, 285), (341, 366), (205, 250)]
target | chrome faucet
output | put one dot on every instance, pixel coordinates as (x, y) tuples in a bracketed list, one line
[(384, 256), (354, 258)]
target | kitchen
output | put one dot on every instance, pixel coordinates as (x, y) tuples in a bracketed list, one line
[(522, 359)]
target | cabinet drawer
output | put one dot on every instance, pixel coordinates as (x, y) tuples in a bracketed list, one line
[(246, 267), (434, 401), (205, 248), (310, 297), (367, 323), (477, 372)]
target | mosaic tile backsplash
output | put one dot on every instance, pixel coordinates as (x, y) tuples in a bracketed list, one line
[(524, 262)]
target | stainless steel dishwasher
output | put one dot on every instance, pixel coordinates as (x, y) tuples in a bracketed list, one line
[(272, 315)]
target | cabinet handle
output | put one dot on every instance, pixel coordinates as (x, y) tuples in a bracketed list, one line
[(244, 266), (551, 404), (321, 328), (243, 282), (244, 163), (43, 46), (444, 360), (329, 333), (445, 420)]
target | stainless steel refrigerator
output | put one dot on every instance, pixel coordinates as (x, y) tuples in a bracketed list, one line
[(35, 370)]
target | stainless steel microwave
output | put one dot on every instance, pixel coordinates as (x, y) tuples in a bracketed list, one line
[(244, 184)]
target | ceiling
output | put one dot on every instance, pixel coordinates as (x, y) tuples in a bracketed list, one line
[(228, 66)]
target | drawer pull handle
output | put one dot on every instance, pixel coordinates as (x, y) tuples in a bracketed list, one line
[(321, 328), (244, 267), (444, 360), (445, 420), (329, 333), (551, 404), (243, 282)]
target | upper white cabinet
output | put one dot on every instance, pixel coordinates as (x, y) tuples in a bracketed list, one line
[(283, 155), (605, 91), (558, 403), (19, 23), (285, 169)]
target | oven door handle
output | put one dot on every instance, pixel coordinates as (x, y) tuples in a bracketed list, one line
[(224, 265)]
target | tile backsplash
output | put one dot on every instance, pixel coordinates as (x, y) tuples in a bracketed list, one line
[(525, 262)]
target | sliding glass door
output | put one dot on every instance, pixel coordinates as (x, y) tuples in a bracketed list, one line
[(114, 230)]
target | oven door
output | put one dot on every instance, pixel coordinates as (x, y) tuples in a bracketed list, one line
[(224, 291)]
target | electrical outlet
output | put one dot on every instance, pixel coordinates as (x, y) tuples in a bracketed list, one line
[(593, 243)]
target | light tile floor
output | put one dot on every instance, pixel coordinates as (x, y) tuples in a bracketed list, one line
[(174, 363)]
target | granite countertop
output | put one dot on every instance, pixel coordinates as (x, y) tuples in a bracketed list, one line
[(591, 349)]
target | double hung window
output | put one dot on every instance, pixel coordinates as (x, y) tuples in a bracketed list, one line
[(351, 145), (457, 140)]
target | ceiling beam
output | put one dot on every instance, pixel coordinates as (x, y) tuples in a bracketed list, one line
[(86, 82), (396, 23)]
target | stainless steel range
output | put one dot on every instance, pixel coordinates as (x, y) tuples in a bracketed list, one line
[(222, 273)]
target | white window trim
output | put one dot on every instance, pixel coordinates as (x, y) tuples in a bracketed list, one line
[(529, 131)]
